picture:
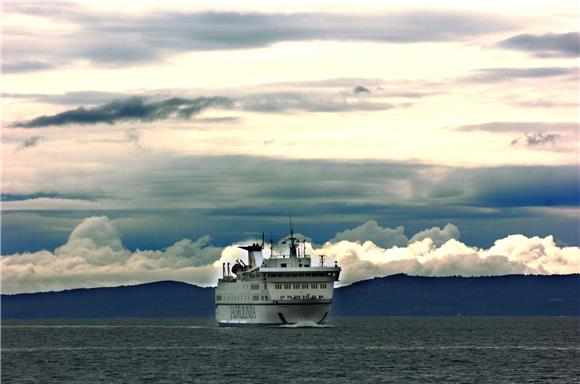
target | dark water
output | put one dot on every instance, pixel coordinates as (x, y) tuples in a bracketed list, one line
[(361, 350)]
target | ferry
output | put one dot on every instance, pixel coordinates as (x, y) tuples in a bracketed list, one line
[(281, 289)]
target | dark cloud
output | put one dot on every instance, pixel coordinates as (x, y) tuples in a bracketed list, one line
[(132, 135), (30, 142), (256, 182), (520, 127), (25, 66), (511, 187), (131, 109), (535, 139), (145, 110), (492, 75), (360, 89), (177, 197), (547, 45), (122, 40), (86, 196)]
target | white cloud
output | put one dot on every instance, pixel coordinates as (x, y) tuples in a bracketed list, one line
[(510, 255), (95, 256), (389, 237), (371, 230), (438, 235)]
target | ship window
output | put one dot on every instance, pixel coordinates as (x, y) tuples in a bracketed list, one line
[(304, 285), (283, 265), (287, 286), (218, 297), (314, 285), (296, 286), (255, 298), (320, 297), (255, 286)]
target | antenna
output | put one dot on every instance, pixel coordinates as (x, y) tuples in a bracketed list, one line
[(262, 240), (271, 246), (292, 239)]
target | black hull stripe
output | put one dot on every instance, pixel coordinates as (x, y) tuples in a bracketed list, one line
[(324, 303), (249, 325)]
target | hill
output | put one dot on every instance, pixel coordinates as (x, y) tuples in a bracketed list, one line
[(399, 295), (511, 295)]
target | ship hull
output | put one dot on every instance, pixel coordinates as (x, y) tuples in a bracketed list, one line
[(271, 313)]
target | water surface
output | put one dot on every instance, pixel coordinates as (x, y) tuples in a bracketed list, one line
[(361, 350)]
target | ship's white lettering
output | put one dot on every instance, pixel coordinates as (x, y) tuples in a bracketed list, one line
[(242, 312)]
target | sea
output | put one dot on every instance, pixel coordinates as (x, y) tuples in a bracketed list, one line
[(347, 350)]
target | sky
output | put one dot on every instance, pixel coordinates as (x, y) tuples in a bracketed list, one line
[(142, 142)]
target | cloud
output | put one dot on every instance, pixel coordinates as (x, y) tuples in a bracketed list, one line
[(275, 102), (371, 230), (133, 135), (179, 182), (109, 39), (496, 75), (387, 237), (140, 108), (513, 254), (360, 89), (439, 236), (536, 139), (179, 196), (547, 45), (94, 256), (29, 142), (93, 195), (25, 66), (520, 127), (72, 98), (544, 103), (131, 109), (532, 134)]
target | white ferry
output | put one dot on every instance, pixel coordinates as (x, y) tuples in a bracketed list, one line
[(282, 289)]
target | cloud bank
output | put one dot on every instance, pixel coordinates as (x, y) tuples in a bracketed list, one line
[(119, 40), (94, 255), (387, 237), (547, 45), (130, 109), (150, 108)]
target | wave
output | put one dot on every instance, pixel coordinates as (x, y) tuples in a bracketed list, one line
[(305, 324)]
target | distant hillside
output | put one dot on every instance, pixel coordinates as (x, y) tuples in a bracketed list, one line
[(160, 299), (401, 295), (512, 295)]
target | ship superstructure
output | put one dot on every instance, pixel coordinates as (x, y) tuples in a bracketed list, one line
[(281, 289)]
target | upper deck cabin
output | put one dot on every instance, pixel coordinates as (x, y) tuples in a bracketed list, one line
[(296, 264)]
